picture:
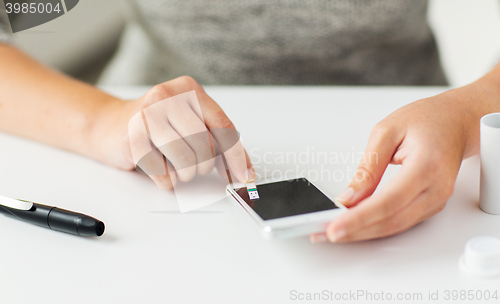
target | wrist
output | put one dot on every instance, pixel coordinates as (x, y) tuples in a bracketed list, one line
[(477, 99), (488, 88), (108, 139)]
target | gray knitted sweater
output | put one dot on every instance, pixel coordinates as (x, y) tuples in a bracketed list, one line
[(278, 42)]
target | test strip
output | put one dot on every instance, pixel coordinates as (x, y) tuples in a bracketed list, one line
[(252, 191)]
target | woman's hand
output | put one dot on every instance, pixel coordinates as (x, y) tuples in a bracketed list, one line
[(429, 139), (45, 105), (184, 124)]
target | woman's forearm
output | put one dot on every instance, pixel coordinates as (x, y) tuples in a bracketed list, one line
[(42, 104)]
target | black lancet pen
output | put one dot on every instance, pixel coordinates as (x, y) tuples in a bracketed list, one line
[(51, 217)]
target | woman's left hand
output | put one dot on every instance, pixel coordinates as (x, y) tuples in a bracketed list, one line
[(429, 138)]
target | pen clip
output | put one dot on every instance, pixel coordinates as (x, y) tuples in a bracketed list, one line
[(15, 203)]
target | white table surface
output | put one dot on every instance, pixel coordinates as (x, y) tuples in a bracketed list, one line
[(151, 253)]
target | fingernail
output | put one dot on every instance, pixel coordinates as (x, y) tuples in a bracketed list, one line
[(346, 195), (318, 238), (337, 235)]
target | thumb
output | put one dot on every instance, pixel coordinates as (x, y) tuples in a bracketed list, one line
[(382, 144)]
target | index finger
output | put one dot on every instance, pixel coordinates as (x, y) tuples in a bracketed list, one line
[(408, 183), (228, 139), (382, 144), (221, 127)]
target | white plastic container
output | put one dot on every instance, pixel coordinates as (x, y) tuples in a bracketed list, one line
[(489, 198), (481, 257)]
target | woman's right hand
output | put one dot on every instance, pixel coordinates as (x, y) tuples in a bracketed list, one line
[(185, 126)]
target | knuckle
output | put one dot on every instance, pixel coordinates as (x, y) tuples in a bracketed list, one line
[(179, 154), (364, 174), (381, 131), (222, 121), (203, 152), (187, 158), (187, 81), (159, 92), (183, 156)]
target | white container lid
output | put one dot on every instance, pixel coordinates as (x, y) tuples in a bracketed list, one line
[(481, 257)]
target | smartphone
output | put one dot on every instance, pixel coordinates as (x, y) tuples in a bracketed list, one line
[(286, 208)]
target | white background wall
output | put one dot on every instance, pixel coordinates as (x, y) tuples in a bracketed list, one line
[(468, 33)]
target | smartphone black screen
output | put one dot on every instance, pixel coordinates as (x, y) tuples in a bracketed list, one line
[(287, 198)]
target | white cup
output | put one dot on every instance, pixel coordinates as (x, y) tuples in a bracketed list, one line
[(489, 197)]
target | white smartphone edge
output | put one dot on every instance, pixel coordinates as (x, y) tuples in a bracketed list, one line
[(290, 226)]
